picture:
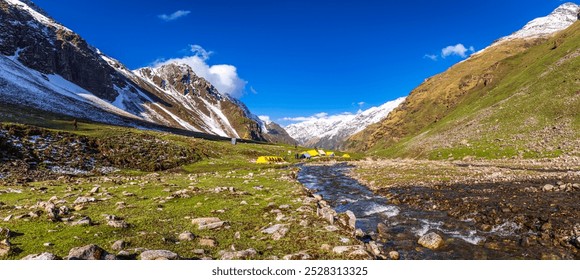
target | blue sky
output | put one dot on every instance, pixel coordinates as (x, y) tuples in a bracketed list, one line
[(288, 59)]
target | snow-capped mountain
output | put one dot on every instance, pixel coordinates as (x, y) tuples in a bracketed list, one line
[(560, 19), (48, 67), (330, 132)]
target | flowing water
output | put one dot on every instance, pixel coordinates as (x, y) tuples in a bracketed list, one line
[(404, 225)]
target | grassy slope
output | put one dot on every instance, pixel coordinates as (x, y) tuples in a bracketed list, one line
[(156, 220), (503, 102)]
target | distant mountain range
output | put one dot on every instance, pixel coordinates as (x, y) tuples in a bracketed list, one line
[(46, 66), (519, 97), (330, 132)]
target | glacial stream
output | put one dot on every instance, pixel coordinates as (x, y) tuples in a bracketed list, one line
[(404, 225)]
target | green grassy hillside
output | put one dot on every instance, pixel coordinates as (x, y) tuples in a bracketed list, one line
[(515, 99)]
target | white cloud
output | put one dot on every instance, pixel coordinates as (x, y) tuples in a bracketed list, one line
[(433, 57), (362, 103), (253, 90), (265, 119), (174, 16), (223, 76), (459, 50)]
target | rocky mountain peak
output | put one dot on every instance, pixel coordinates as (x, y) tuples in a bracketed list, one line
[(560, 19)]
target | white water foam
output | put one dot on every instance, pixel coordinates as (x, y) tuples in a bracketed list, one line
[(505, 229), (388, 210), (469, 237)]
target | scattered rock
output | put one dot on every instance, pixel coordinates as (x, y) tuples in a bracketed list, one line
[(95, 190), (238, 255), (237, 235), (277, 231), (297, 256), (207, 242), (48, 244), (89, 252), (373, 248), (351, 219), (208, 223), (84, 199), (41, 257), (7, 218), (359, 253), (158, 255), (343, 249), (431, 240), (394, 255), (548, 187), (199, 251), (6, 233), (119, 245), (326, 213), (84, 221), (5, 248), (186, 236), (116, 222), (331, 228)]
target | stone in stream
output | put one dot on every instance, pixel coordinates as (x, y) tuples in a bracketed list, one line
[(158, 255), (394, 255), (351, 219), (41, 257), (548, 187), (89, 252), (373, 248), (431, 240)]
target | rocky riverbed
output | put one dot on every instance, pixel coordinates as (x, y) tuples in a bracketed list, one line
[(521, 209)]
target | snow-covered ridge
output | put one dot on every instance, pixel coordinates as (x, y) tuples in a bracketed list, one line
[(35, 14), (331, 131), (560, 19)]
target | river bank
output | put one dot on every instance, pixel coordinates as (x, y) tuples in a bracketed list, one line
[(525, 208)]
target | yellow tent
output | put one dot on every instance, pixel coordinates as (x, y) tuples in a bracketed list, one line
[(313, 153), (329, 154), (269, 159), (346, 156)]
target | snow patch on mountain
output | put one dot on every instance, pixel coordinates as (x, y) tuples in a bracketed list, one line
[(331, 131), (36, 14), (560, 19)]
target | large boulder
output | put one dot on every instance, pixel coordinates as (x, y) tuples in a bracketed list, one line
[(89, 252), (431, 240)]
